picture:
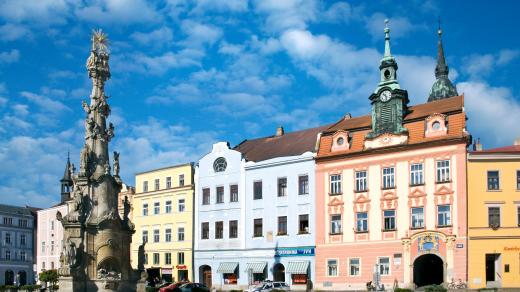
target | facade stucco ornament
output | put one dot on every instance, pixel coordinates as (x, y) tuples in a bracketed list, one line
[(450, 241)]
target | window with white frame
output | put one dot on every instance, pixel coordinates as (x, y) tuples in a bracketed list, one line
[(22, 256), (144, 235), (180, 234), (181, 180), (168, 207), (168, 258), (388, 177), (156, 258), (220, 195), (303, 184), (156, 235), (52, 247), (145, 209), (494, 217), (204, 230), (233, 228), (206, 197), (156, 208), (335, 224), (219, 229), (169, 182), (362, 222), (8, 238), (145, 186), (416, 174), (443, 215), (168, 235), (22, 239), (156, 185), (354, 266), (180, 258), (518, 215), (389, 219), (257, 190), (384, 266), (43, 246), (332, 268), (418, 217), (282, 186), (335, 184), (493, 180), (233, 193), (361, 181), (181, 205), (443, 171)]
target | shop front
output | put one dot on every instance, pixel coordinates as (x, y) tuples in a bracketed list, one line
[(182, 273), (294, 265), (256, 272), (229, 272)]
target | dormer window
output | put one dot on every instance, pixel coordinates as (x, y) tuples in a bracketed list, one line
[(436, 125), (340, 141)]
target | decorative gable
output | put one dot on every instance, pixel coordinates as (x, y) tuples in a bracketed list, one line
[(340, 141), (436, 125)]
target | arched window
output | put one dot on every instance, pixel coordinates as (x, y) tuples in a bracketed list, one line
[(220, 164)]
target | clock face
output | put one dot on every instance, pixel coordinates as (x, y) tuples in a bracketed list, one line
[(385, 95)]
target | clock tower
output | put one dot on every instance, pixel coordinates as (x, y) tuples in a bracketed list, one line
[(389, 101)]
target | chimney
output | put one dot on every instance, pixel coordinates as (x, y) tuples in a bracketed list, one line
[(477, 146), (279, 131), (348, 116), (516, 142)]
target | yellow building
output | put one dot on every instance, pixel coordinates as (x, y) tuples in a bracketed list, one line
[(494, 217), (163, 218)]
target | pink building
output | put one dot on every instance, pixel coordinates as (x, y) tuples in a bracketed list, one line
[(391, 189)]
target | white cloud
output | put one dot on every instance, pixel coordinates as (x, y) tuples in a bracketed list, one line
[(399, 26), (157, 65), (478, 66), (484, 103), (117, 11), (45, 103), (505, 56), (11, 32), (41, 11), (289, 14), (338, 12), (183, 92), (199, 34), (3, 101), (10, 57), (155, 38), (203, 6)]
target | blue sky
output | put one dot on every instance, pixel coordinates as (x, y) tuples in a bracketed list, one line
[(186, 74)]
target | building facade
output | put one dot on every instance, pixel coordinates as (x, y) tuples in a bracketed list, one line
[(16, 249), (219, 217), (391, 189), (494, 217), (163, 218)]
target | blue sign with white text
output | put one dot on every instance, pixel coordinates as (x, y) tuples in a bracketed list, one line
[(294, 251)]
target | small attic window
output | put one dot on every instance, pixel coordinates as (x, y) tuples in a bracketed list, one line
[(340, 141), (436, 126)]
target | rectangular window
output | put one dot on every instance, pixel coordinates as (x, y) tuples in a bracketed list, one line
[(443, 171), (52, 247), (205, 230), (303, 184), (303, 224), (156, 184), (168, 258), (494, 217), (168, 207), (332, 268), (258, 227), (233, 229), (335, 184), (518, 179), (145, 186), (389, 219), (156, 208), (443, 215), (8, 221), (180, 234), (22, 256), (169, 182), (219, 230), (7, 255), (22, 239), (416, 174), (335, 224), (168, 235), (418, 217), (384, 266), (206, 197), (43, 246), (182, 205), (354, 267), (361, 181), (181, 180), (156, 258), (145, 236), (257, 190), (282, 225), (362, 222), (493, 181), (180, 258), (156, 235), (518, 215), (145, 209), (220, 195), (8, 238), (146, 259), (233, 193), (388, 177), (282, 186), (23, 223)]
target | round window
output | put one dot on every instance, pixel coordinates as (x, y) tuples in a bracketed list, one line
[(340, 141), (436, 126), (220, 164)]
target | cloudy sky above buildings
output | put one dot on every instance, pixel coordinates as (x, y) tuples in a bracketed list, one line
[(186, 74)]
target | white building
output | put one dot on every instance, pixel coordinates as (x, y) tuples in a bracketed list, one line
[(274, 177)]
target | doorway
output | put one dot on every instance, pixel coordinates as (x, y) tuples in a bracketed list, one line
[(279, 273), (493, 276), (428, 269), (205, 275)]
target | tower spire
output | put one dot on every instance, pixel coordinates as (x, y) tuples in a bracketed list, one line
[(387, 54), (442, 88)]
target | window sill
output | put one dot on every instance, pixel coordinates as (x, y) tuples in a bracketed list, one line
[(256, 237), (388, 230), (417, 185), (360, 232), (284, 196), (339, 233), (302, 194), (443, 182), (335, 194), (388, 188), (417, 228), (361, 191), (282, 234), (444, 226), (494, 191), (219, 203), (303, 233), (257, 199)]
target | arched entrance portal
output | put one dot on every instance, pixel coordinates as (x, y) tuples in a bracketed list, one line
[(205, 275), (279, 273), (428, 269)]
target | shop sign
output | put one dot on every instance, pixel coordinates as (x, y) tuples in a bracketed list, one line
[(166, 271), (511, 248), (181, 267), (294, 251), (460, 245)]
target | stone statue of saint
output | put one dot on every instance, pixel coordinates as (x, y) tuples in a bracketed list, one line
[(116, 163), (71, 254), (84, 159), (126, 208), (140, 257)]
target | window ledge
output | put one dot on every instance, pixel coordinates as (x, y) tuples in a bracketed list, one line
[(303, 233), (282, 234), (388, 230), (417, 228), (444, 226), (417, 185), (335, 194), (443, 182), (361, 191), (360, 232), (339, 233), (305, 194), (389, 188), (494, 191)]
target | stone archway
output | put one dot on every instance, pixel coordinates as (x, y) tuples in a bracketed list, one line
[(205, 275), (279, 272), (428, 269)]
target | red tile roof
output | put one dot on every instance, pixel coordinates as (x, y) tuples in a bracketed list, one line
[(513, 149)]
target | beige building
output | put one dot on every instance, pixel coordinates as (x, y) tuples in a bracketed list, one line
[(163, 216)]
